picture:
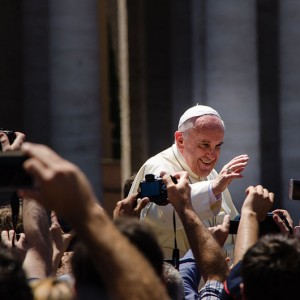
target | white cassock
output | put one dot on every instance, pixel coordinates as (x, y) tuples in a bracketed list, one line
[(209, 209)]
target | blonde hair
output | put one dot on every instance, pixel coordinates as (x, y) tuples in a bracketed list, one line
[(6, 219), (52, 288)]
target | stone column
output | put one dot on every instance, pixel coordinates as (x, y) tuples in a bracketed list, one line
[(74, 75), (231, 83), (10, 70), (198, 23), (36, 74), (181, 59), (289, 97)]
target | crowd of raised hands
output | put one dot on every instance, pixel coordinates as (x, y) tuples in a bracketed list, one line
[(119, 268)]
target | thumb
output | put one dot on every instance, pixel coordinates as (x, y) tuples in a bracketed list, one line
[(141, 204), (226, 222)]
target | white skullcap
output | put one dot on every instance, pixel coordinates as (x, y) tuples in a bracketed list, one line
[(197, 111)]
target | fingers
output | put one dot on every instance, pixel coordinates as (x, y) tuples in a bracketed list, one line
[(9, 238), (242, 157), (180, 177), (69, 236), (42, 153), (249, 189), (20, 240), (117, 210), (130, 206), (35, 168), (179, 194), (162, 174), (259, 189), (19, 140), (281, 224), (54, 219), (226, 222), (297, 231), (22, 237), (271, 196), (221, 231), (4, 141), (283, 220), (285, 214), (141, 204), (230, 171), (234, 168), (238, 162), (16, 144), (258, 200)]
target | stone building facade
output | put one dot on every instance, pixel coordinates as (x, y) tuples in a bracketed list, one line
[(61, 82)]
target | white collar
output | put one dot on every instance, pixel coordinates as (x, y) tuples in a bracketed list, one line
[(180, 159)]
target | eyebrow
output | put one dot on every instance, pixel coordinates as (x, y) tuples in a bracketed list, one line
[(209, 142)]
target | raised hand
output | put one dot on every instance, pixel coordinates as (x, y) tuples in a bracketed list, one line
[(130, 206), (16, 244), (230, 171), (16, 144), (259, 201), (59, 179)]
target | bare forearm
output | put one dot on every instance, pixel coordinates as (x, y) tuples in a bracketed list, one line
[(209, 256), (38, 260), (247, 235)]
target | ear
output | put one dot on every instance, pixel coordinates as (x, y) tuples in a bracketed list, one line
[(179, 139)]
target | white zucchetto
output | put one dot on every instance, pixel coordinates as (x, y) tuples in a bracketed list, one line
[(197, 111)]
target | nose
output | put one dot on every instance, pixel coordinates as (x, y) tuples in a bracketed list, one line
[(212, 153)]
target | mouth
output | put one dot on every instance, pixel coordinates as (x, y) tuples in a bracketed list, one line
[(206, 161)]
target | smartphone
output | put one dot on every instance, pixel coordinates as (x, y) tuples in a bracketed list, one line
[(233, 228), (12, 174), (294, 189), (266, 226)]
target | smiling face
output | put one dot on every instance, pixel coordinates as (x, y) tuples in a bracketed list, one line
[(201, 146)]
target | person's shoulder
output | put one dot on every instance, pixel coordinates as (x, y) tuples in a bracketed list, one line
[(162, 155), (162, 161)]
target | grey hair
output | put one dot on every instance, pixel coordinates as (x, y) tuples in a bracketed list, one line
[(173, 281), (190, 124)]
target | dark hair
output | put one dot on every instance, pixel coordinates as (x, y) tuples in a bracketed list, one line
[(127, 185), (142, 236), (271, 268), (13, 281), (139, 234)]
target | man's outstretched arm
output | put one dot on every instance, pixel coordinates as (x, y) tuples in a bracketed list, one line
[(208, 254), (63, 187), (257, 204)]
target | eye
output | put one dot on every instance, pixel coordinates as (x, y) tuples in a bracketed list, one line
[(203, 146)]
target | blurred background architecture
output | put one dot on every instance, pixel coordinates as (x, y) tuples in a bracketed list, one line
[(104, 82)]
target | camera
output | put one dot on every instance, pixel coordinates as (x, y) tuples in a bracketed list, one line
[(294, 189), (153, 188), (10, 134), (267, 226), (12, 174)]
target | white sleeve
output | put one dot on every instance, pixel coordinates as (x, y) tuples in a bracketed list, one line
[(163, 215), (201, 194)]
